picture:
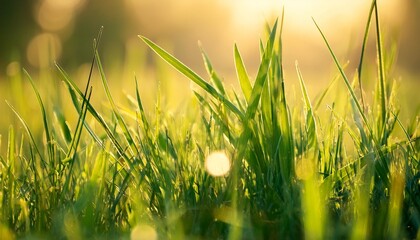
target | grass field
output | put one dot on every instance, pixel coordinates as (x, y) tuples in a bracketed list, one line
[(227, 164)]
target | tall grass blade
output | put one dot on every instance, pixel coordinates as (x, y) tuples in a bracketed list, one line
[(74, 92), (50, 146), (322, 96), (261, 75), (186, 71), (218, 116), (381, 70), (242, 141), (344, 76), (28, 131), (212, 73), (74, 88), (310, 119), (287, 145), (65, 129), (72, 153), (242, 75), (349, 87), (78, 131), (11, 173), (362, 53), (115, 110), (407, 135), (140, 106)]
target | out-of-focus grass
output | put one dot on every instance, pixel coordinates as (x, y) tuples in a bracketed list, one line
[(79, 162)]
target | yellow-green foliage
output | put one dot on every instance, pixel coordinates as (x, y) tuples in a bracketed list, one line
[(81, 168)]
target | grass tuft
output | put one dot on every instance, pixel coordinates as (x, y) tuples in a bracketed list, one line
[(289, 170)]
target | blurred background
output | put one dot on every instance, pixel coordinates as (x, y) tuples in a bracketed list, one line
[(35, 33), (67, 28)]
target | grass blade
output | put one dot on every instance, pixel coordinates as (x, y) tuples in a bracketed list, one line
[(362, 54), (381, 72), (50, 146), (115, 110), (190, 74), (212, 73), (262, 75), (31, 136), (346, 81), (310, 119), (64, 128), (72, 88), (242, 75)]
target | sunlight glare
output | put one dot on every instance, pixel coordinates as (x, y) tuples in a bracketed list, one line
[(337, 15)]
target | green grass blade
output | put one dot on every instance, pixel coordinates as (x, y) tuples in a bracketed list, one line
[(115, 110), (321, 97), (48, 136), (242, 141), (303, 88), (261, 48), (72, 85), (11, 173), (286, 147), (362, 53), (140, 106), (407, 135), (186, 71), (64, 128), (242, 75), (239, 102), (344, 76), (310, 119), (31, 136), (262, 75), (72, 88), (241, 144), (381, 165), (381, 71), (266, 107), (218, 116), (71, 154), (212, 73)]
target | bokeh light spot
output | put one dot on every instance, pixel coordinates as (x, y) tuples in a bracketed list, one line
[(13, 69), (52, 17), (42, 49), (143, 232), (217, 164)]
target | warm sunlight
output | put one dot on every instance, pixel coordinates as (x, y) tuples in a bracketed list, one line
[(253, 13), (241, 119)]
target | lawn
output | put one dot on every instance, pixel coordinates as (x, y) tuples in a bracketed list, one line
[(228, 163)]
